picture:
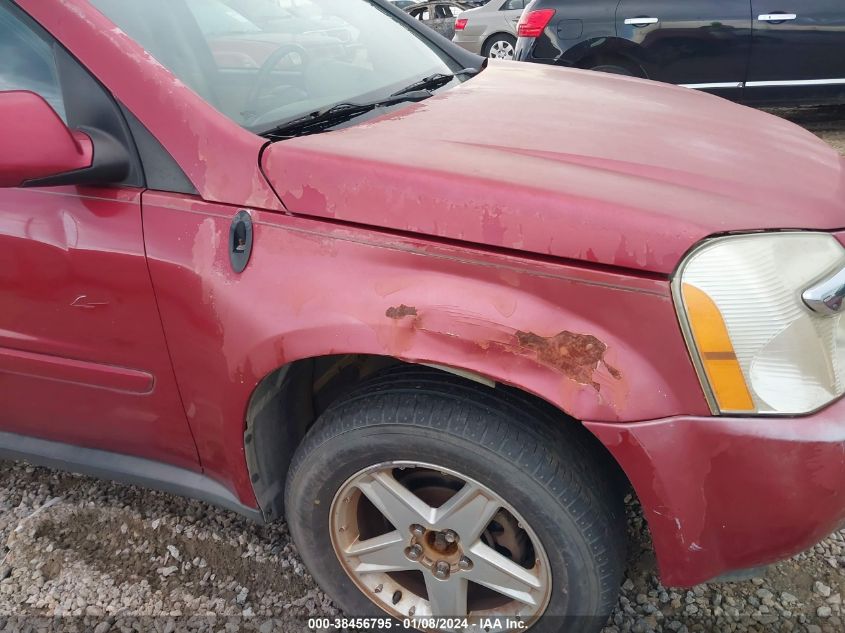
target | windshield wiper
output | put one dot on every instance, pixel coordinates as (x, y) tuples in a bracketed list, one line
[(438, 80), (329, 117)]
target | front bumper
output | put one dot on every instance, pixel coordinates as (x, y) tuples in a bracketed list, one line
[(723, 494)]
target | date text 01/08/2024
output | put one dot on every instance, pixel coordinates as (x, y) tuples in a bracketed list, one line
[(418, 624)]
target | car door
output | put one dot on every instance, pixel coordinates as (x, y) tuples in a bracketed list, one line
[(440, 19), (511, 11), (83, 359), (705, 45), (798, 51), (445, 15)]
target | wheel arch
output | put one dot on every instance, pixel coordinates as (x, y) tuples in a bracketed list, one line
[(598, 343), (287, 402), (584, 54), (569, 356), (490, 37)]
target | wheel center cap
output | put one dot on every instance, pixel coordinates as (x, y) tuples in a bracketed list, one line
[(443, 542), (438, 550)]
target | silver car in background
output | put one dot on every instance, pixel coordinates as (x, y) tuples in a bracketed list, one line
[(490, 30)]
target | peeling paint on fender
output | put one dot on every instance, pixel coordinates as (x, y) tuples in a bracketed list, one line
[(400, 312), (576, 355)]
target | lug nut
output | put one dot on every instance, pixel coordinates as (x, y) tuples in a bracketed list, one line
[(465, 563), (414, 552), (441, 570), (417, 530), (451, 536)]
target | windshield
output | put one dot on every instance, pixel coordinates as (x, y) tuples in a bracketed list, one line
[(215, 18), (263, 62)]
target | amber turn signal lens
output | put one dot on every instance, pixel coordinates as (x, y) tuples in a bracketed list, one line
[(716, 351)]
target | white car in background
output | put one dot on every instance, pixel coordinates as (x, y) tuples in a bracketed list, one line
[(490, 30)]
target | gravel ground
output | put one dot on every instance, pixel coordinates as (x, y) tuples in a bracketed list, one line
[(827, 122), (87, 555)]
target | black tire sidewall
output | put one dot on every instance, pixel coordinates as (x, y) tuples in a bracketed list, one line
[(613, 69), (328, 465)]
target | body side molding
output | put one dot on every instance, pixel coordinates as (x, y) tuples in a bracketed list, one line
[(58, 368)]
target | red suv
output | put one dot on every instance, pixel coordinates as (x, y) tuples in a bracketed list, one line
[(438, 316)]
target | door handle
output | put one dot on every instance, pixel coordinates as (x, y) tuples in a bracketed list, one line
[(641, 21), (776, 17)]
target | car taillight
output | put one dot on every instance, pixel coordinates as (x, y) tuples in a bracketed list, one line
[(461, 24), (533, 23)]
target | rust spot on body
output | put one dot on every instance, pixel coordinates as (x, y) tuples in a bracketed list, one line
[(400, 312), (576, 355)]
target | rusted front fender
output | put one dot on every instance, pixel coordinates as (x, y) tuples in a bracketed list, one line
[(598, 344)]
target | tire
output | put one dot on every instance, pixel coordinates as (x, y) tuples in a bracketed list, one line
[(501, 46), (562, 508), (615, 69)]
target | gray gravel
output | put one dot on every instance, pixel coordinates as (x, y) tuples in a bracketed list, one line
[(102, 556), (87, 555), (103, 553)]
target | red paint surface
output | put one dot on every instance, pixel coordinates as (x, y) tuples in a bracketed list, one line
[(219, 157), (83, 358), (617, 171), (38, 144), (92, 375), (313, 289), (722, 494), (578, 182)]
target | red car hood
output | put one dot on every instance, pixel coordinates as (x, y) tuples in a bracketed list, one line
[(567, 163)]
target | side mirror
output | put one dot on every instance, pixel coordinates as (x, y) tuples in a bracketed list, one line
[(38, 149)]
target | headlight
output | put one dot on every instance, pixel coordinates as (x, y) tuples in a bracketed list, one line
[(761, 314)]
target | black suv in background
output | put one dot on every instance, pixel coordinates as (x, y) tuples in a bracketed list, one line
[(759, 52)]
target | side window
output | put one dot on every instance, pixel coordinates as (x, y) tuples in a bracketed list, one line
[(513, 5), (446, 11), (27, 61), (421, 14)]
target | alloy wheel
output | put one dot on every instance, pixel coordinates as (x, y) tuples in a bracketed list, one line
[(421, 540), (502, 49)]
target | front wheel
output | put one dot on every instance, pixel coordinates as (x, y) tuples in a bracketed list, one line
[(500, 46), (423, 495)]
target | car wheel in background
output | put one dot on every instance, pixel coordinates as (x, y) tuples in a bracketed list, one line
[(613, 70), (421, 494), (500, 46), (614, 66)]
